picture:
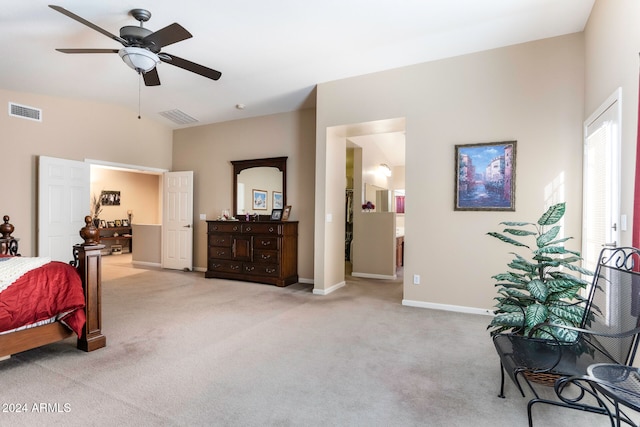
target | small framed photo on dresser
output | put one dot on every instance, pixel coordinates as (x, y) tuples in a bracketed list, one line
[(125, 222), (276, 214), (286, 212), (118, 223)]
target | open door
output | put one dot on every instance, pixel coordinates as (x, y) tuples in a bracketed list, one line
[(177, 219), (63, 202)]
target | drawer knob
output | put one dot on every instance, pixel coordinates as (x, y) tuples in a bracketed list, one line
[(265, 243), (248, 228)]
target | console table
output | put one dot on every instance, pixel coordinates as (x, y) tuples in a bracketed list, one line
[(262, 251)]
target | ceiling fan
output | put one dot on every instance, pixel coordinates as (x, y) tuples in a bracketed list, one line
[(142, 46)]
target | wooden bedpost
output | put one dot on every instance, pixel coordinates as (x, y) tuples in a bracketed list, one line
[(88, 261)]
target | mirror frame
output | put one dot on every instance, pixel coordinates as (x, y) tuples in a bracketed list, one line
[(273, 162)]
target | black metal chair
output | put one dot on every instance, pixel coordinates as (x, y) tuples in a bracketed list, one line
[(609, 385), (611, 336)]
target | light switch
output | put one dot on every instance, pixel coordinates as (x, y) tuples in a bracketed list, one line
[(329, 217), (203, 217)]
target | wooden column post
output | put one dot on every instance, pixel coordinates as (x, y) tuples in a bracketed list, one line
[(89, 265)]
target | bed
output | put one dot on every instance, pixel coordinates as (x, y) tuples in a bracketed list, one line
[(44, 301)]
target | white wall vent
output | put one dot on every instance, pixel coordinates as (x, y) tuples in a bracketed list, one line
[(25, 112)]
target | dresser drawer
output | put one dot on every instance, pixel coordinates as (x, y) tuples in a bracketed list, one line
[(220, 240), (263, 242), (266, 257), (220, 252), (225, 266), (274, 229), (224, 227), (261, 269)]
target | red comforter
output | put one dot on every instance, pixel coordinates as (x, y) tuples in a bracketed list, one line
[(42, 293)]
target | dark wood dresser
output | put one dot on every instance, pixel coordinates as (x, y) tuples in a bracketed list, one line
[(262, 251)]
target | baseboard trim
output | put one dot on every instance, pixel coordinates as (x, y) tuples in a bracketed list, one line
[(374, 276), (329, 290), (305, 281), (447, 307), (147, 264)]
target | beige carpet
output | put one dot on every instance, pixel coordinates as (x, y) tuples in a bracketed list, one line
[(187, 351)]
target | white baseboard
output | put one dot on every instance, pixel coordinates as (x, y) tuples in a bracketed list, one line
[(447, 307), (374, 276), (329, 290), (7, 357), (200, 269), (306, 281)]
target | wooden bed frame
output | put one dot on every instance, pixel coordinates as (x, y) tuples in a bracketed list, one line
[(87, 260)]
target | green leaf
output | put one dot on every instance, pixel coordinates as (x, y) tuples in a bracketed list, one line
[(508, 319), (562, 284), (555, 250), (535, 314), (572, 314), (506, 239), (538, 290), (517, 232), (552, 215), (516, 224), (547, 237)]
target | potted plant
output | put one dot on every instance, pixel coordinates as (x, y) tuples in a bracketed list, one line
[(544, 288), (96, 208)]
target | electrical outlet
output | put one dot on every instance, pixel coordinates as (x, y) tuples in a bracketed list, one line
[(416, 279)]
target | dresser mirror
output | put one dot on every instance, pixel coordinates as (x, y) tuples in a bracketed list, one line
[(259, 185)]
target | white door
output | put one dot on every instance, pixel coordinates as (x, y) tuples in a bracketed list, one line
[(177, 221), (601, 181), (63, 202)]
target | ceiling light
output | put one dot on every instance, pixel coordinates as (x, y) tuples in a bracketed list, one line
[(141, 60), (384, 169)]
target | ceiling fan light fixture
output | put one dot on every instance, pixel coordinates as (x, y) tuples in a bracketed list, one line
[(140, 59)]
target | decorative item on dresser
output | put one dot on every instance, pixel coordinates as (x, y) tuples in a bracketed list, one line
[(262, 251), (80, 312)]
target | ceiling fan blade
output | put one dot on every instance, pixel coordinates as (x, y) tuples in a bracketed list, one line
[(88, 50), (190, 66), (151, 77), (168, 35), (89, 24)]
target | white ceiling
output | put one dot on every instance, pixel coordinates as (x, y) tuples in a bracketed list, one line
[(271, 53)]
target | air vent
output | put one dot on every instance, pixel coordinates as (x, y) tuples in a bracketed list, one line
[(178, 117), (25, 112)]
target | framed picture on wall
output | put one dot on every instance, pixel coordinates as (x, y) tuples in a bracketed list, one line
[(485, 177), (277, 200), (110, 198), (259, 200)]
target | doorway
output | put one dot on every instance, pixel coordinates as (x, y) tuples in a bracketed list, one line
[(375, 173)]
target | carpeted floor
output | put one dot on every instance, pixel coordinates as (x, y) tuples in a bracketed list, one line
[(187, 351)]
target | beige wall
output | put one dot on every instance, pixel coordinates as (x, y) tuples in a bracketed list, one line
[(73, 130), (612, 43), (139, 192), (208, 151), (532, 93)]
